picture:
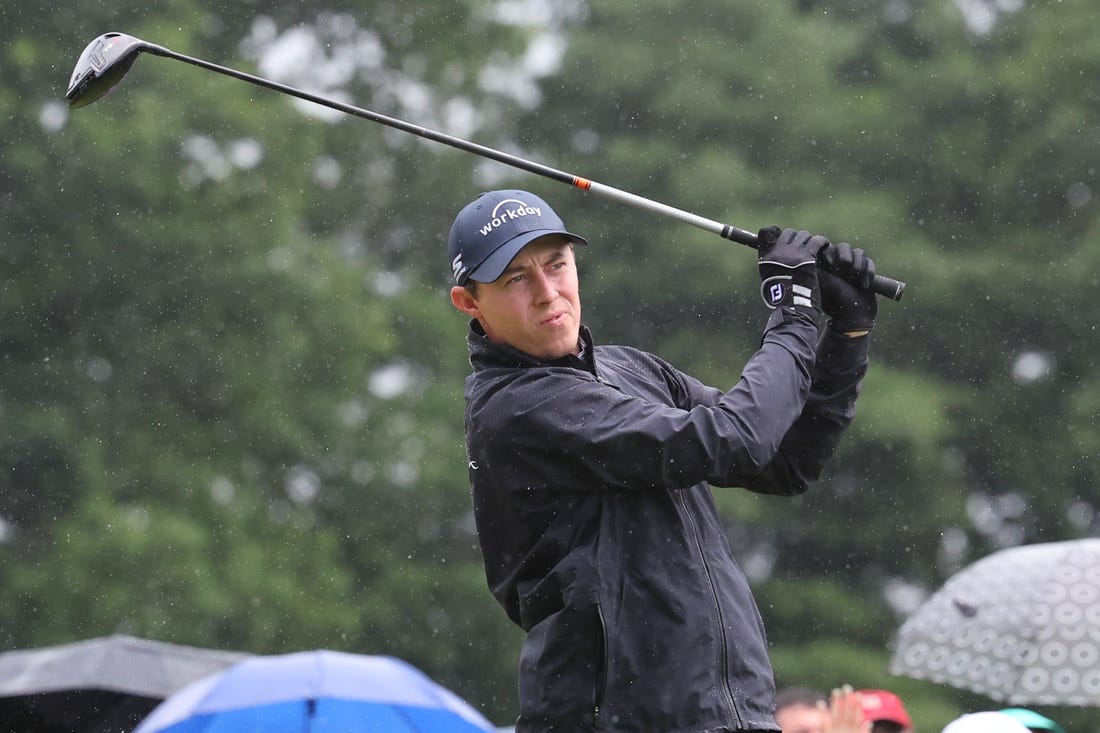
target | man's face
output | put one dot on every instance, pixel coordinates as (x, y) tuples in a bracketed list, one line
[(799, 718), (535, 305)]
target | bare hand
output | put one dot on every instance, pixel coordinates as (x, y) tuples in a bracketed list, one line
[(844, 713)]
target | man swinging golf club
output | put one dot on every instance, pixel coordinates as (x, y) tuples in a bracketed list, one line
[(590, 465), (591, 469)]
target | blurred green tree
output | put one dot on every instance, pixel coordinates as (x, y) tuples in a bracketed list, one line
[(230, 379)]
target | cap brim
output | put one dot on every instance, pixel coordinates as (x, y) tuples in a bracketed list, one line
[(493, 266)]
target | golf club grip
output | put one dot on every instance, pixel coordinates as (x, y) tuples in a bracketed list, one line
[(888, 287), (885, 286)]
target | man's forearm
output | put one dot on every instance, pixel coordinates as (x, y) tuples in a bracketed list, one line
[(840, 367)]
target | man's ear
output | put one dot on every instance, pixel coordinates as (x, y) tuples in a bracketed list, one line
[(464, 301)]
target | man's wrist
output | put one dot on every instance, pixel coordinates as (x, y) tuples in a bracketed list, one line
[(851, 327)]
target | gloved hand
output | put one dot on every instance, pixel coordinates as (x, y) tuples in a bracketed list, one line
[(845, 274), (787, 261)]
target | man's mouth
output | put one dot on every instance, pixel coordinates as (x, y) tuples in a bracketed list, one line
[(553, 320)]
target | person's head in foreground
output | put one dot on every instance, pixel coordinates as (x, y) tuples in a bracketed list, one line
[(514, 273), (1034, 722), (985, 722), (885, 712), (799, 710)]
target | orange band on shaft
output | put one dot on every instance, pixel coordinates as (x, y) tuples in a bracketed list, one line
[(582, 183)]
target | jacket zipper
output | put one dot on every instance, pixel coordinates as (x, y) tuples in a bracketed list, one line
[(726, 686), (601, 675)]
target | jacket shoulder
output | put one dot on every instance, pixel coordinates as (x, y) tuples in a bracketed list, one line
[(637, 364)]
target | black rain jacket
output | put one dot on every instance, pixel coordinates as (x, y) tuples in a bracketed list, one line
[(599, 531)]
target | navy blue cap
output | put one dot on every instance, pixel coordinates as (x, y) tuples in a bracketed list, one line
[(493, 228)]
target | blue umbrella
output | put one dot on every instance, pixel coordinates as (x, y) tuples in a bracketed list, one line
[(316, 692)]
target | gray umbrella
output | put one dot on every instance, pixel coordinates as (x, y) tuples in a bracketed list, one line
[(106, 685), (1021, 626)]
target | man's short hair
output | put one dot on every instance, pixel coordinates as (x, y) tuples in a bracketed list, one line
[(789, 696)]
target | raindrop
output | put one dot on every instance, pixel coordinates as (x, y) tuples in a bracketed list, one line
[(138, 519), (222, 490), (404, 473), (428, 530), (99, 369), (1078, 194), (246, 153), (1031, 366), (438, 620), (353, 413), (1010, 505), (1081, 514), (895, 12), (280, 259), (388, 283), (327, 172), (586, 141), (759, 563), (902, 596), (53, 116), (362, 472), (954, 545), (390, 381), (302, 485)]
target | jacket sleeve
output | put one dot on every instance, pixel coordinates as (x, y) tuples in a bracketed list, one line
[(571, 432), (839, 368)]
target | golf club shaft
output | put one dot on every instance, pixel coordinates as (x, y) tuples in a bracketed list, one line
[(882, 285)]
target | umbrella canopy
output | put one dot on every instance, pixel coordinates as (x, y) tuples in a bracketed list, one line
[(316, 691), (104, 685), (1021, 626)]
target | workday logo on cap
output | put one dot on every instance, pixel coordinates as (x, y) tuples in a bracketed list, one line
[(493, 228), (507, 210)]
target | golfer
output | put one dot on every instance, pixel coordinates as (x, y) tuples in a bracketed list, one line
[(591, 469)]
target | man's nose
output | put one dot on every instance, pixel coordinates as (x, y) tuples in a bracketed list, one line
[(544, 287)]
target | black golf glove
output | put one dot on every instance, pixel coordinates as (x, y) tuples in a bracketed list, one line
[(788, 268), (845, 274)]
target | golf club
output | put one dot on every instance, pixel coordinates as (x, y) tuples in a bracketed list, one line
[(107, 59)]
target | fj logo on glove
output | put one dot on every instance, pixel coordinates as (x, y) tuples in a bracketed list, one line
[(776, 293), (780, 290)]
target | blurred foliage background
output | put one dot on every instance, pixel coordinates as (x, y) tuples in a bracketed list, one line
[(230, 376)]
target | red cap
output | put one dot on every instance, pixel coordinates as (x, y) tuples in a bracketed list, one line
[(883, 705)]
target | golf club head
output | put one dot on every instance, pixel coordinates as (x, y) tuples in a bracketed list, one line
[(102, 65)]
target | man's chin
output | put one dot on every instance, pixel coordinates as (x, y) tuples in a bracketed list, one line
[(559, 349)]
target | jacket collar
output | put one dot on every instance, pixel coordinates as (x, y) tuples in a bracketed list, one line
[(485, 353)]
